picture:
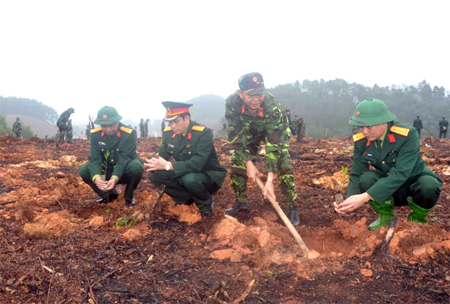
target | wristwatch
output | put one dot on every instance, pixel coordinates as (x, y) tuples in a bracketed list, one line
[(167, 166)]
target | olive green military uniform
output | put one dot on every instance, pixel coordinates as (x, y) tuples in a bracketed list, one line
[(390, 169), (443, 126), (245, 134), (115, 156), (197, 172), (418, 125), (399, 170)]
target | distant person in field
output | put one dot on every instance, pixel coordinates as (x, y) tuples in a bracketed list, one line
[(187, 162), (112, 158), (63, 123), (418, 125), (17, 127), (387, 168), (443, 126), (254, 116), (142, 128), (69, 133), (146, 127)]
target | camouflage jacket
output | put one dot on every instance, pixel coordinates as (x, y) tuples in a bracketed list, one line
[(17, 126), (64, 117), (270, 125)]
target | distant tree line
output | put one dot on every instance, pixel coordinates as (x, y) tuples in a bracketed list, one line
[(325, 105), (27, 107), (328, 105)]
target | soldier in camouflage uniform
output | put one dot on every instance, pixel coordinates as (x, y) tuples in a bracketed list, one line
[(62, 124), (254, 116), (69, 133), (17, 127), (141, 128)]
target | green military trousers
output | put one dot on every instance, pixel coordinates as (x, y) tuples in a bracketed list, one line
[(424, 190), (131, 177), (195, 186), (285, 170)]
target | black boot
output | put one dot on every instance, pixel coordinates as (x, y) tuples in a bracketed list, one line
[(293, 216), (110, 197), (207, 212), (130, 202), (237, 207)]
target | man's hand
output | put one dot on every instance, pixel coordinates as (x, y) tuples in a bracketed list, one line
[(269, 190), (101, 184), (352, 203), (156, 163), (110, 184), (252, 172)]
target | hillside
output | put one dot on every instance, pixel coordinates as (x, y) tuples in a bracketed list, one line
[(39, 127)]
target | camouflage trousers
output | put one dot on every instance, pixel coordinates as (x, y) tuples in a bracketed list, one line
[(69, 136), (285, 175)]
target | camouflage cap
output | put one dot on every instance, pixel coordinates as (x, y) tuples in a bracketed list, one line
[(107, 116), (72, 110), (371, 112), (252, 84), (174, 109)]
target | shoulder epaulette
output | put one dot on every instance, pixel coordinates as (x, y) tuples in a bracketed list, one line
[(198, 128), (125, 129), (399, 130), (166, 129), (358, 137), (96, 130)]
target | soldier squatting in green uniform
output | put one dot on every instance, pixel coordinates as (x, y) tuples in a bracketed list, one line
[(400, 177), (113, 154), (195, 173), (254, 116)]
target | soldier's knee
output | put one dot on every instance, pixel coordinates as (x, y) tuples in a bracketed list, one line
[(136, 167), (429, 186), (367, 179), (84, 172), (189, 179)]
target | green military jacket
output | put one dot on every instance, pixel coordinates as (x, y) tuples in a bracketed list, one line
[(443, 123), (269, 124), (418, 124), (399, 161), (193, 152), (112, 153)]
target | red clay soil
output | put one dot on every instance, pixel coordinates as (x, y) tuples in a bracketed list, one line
[(57, 246)]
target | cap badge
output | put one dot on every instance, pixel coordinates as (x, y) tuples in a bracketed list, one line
[(357, 113), (169, 110), (255, 78), (105, 116)]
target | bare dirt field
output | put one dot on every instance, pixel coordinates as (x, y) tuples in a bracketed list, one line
[(58, 246)]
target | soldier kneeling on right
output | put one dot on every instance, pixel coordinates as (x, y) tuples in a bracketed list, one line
[(399, 176)]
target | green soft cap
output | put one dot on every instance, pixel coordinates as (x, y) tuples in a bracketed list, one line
[(107, 116), (371, 112), (252, 84)]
